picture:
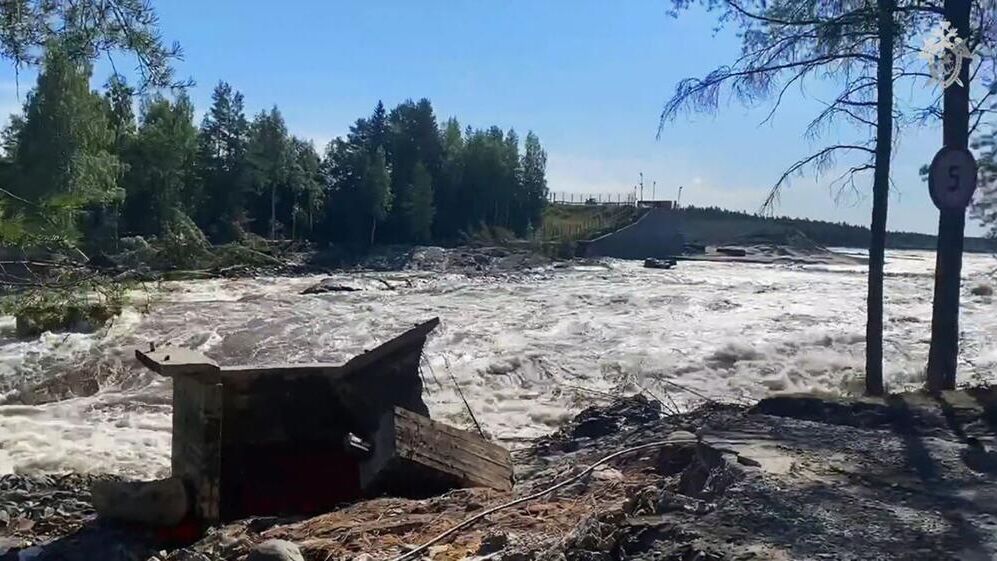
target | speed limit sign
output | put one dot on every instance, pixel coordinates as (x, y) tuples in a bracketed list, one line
[(952, 178)]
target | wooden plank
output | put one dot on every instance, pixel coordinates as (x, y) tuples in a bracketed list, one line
[(177, 361), (416, 456)]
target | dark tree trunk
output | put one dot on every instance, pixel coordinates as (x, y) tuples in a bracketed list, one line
[(880, 198), (273, 212), (944, 352)]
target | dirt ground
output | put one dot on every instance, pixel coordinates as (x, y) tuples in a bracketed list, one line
[(798, 477)]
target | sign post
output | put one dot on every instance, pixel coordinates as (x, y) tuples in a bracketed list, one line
[(951, 180)]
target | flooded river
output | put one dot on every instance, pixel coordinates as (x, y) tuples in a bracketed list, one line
[(528, 349)]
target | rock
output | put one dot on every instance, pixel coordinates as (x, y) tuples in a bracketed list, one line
[(493, 542), (604, 473), (34, 320), (675, 458), (732, 251), (10, 544), (710, 473), (651, 263), (275, 550), (982, 290), (330, 285), (595, 422), (154, 503)]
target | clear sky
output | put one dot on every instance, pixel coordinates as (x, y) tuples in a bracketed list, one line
[(588, 76)]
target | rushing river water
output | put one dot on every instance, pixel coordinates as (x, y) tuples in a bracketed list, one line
[(528, 349)]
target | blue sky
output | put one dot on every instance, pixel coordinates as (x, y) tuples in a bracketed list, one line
[(588, 76)]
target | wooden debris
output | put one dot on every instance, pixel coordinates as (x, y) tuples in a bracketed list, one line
[(418, 457)]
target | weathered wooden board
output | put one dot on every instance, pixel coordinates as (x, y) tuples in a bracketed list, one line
[(416, 456)]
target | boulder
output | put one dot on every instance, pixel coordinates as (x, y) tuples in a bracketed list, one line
[(161, 503), (732, 251), (34, 320), (275, 550), (982, 290), (330, 285), (652, 263)]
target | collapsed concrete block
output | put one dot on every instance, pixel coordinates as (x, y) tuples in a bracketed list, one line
[(160, 503)]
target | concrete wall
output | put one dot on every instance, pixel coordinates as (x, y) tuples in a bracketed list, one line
[(656, 234)]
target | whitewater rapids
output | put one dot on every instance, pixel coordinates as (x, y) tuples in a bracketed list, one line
[(528, 349)]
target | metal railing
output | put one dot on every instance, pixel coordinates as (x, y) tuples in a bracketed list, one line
[(605, 199)]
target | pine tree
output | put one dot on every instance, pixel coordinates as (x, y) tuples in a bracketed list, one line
[(534, 179), (413, 138), (377, 191), (222, 166), (449, 182), (420, 209), (87, 30), (306, 184), (161, 184), (64, 161), (118, 98), (270, 159)]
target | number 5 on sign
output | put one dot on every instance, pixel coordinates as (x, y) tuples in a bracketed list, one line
[(952, 178)]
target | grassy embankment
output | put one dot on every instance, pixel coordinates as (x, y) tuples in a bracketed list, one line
[(713, 226)]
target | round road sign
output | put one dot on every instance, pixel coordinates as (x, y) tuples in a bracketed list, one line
[(952, 178)]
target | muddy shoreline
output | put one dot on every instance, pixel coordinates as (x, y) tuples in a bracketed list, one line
[(796, 477)]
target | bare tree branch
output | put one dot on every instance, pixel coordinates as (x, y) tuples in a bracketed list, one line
[(820, 159)]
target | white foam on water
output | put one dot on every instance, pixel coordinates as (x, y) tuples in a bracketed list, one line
[(528, 350)]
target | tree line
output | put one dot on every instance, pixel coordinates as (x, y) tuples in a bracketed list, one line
[(82, 167), (825, 233)]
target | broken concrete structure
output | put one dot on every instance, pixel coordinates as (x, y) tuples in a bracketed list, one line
[(656, 234), (256, 440)]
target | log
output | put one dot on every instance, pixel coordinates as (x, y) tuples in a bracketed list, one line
[(417, 457)]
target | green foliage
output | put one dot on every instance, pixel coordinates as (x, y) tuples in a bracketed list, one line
[(118, 99), (716, 225), (64, 160), (472, 179), (306, 186), (419, 208), (88, 29), (221, 165), (395, 178), (534, 179), (161, 183), (376, 196), (269, 164), (84, 304)]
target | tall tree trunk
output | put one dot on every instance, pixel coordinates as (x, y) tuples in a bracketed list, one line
[(273, 212), (943, 354), (880, 198)]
